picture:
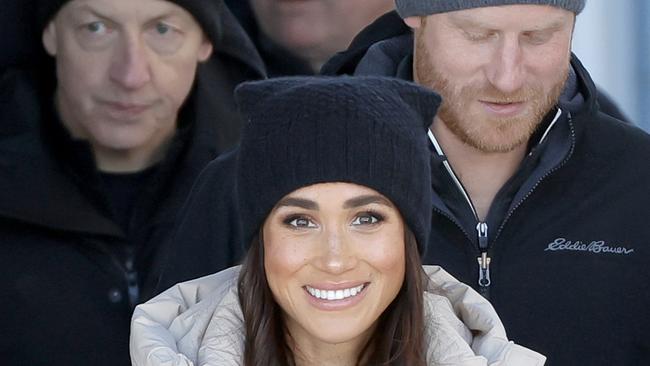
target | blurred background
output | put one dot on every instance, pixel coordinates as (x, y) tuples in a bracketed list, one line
[(612, 38)]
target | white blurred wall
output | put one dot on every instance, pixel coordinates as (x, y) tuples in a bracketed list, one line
[(612, 39)]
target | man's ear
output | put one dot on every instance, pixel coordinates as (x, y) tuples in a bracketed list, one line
[(413, 22), (205, 51), (49, 39)]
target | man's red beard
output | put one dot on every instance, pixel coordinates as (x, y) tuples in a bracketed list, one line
[(477, 130)]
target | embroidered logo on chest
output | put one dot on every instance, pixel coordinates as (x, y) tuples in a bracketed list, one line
[(596, 247)]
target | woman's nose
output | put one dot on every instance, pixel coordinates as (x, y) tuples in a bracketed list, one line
[(336, 253)]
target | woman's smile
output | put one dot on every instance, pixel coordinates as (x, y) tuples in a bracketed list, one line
[(332, 298), (334, 259)]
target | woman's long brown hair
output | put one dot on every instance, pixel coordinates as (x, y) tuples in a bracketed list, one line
[(398, 339)]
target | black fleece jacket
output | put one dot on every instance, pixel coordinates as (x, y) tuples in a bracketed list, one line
[(70, 270)]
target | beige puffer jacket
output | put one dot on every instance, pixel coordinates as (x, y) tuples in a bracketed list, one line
[(200, 323)]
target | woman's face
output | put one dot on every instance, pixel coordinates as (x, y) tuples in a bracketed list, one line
[(334, 257)]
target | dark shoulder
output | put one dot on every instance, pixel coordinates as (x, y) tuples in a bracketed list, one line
[(616, 139), (222, 168), (208, 223), (608, 106), (215, 185)]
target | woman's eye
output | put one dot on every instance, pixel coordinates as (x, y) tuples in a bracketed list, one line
[(301, 222), (366, 219)]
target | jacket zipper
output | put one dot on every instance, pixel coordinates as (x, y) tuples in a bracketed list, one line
[(481, 228), (484, 259)]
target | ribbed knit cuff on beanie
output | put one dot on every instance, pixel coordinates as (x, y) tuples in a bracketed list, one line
[(302, 131), (407, 8)]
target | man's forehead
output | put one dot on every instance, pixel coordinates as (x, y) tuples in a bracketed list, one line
[(116, 9), (525, 17), (409, 8)]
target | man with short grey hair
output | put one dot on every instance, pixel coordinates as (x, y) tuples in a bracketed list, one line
[(101, 137)]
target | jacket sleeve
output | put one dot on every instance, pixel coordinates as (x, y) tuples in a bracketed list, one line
[(168, 329), (487, 335)]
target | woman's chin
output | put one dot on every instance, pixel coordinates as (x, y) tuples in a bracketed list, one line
[(337, 330)]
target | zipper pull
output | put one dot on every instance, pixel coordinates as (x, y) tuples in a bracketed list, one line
[(484, 270), (482, 229), (483, 260)]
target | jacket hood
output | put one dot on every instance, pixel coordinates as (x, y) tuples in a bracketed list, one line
[(200, 323), (228, 37)]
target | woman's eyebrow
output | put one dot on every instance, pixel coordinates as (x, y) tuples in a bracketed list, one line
[(365, 200), (298, 202)]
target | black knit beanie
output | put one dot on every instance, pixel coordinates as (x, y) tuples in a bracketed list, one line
[(407, 8), (301, 131), (200, 9)]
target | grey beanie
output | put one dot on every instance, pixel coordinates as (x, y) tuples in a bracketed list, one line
[(408, 8)]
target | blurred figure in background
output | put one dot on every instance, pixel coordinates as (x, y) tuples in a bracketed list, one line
[(295, 37), (101, 138)]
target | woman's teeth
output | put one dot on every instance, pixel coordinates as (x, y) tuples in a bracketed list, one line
[(335, 294)]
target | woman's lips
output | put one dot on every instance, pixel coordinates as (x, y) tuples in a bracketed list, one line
[(334, 294), (335, 297)]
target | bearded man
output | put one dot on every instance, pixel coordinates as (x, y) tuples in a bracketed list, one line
[(540, 196)]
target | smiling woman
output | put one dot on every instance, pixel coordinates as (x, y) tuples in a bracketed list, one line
[(333, 185), (335, 257)]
